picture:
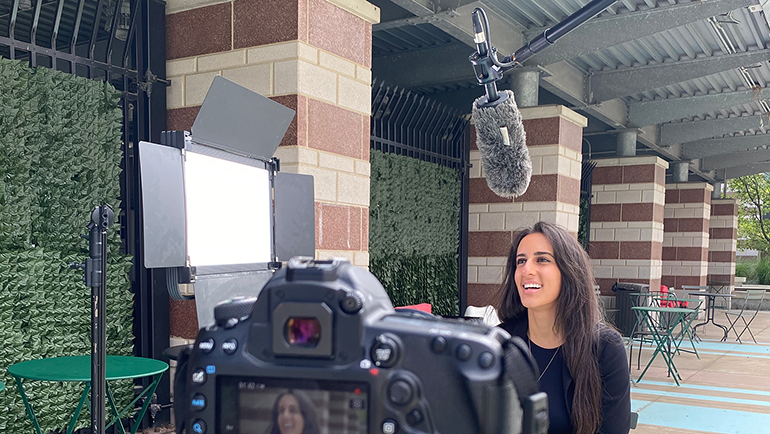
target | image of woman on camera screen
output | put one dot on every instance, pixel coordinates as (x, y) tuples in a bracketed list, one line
[(548, 300), (293, 413)]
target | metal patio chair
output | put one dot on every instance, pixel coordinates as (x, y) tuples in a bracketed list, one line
[(754, 295)]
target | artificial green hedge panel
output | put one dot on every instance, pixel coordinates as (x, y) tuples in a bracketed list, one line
[(60, 154), (414, 230)]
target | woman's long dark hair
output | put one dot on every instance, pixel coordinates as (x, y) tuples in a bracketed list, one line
[(577, 317), (306, 407)]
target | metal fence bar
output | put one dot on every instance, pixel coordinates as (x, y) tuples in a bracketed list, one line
[(76, 30), (95, 30), (12, 25)]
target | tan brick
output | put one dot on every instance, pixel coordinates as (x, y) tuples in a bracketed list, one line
[(285, 75), (196, 87), (329, 254), (336, 64), (353, 189), (354, 95), (361, 259), (477, 260), (296, 155), (490, 274), (179, 67), (363, 168), (175, 93), (364, 74), (219, 61), (505, 207), (472, 274), (550, 165), (254, 77), (336, 162), (492, 222), (284, 51), (315, 82), (325, 182), (518, 220), (473, 222)]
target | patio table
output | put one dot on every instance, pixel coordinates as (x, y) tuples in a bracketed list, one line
[(710, 304), (679, 315), (2, 386), (78, 369)]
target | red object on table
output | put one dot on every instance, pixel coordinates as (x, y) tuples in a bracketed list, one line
[(664, 290), (424, 307)]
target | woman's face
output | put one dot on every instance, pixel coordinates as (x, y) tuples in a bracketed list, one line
[(537, 277), (290, 420)]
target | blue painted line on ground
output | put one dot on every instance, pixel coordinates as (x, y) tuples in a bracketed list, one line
[(701, 387), (724, 346), (734, 354), (690, 417), (701, 397)]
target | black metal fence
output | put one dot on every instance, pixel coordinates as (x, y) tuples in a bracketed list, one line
[(584, 225), (121, 42), (410, 124)]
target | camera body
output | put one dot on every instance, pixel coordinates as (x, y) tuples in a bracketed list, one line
[(328, 330)]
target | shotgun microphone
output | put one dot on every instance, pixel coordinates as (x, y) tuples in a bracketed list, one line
[(502, 143)]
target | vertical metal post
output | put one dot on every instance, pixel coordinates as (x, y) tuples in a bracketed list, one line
[(680, 171), (526, 87), (626, 143), (462, 271)]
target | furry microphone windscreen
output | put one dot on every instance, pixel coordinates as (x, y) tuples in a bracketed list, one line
[(501, 140)]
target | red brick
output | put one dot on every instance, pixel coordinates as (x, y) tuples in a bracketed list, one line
[(723, 233), (296, 135), (722, 278), (669, 254), (724, 209), (604, 249), (694, 195), (672, 196), (262, 22), (479, 192), (691, 254), (181, 119), (542, 131), (199, 31), (693, 225), (641, 250), (489, 243), (638, 174), (607, 175), (334, 129), (338, 227), (670, 225), (473, 138), (368, 44), (483, 294), (552, 188), (337, 31), (605, 212), (715, 256), (689, 280), (637, 212), (365, 230), (366, 146), (183, 318)]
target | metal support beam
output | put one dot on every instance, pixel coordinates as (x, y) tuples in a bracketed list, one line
[(680, 171), (626, 143), (600, 33), (691, 131), (745, 170), (723, 145), (671, 109), (735, 159), (446, 64), (526, 85), (604, 86)]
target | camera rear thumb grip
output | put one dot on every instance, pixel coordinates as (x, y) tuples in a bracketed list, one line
[(522, 370)]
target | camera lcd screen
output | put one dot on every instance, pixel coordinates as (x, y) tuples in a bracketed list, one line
[(248, 405)]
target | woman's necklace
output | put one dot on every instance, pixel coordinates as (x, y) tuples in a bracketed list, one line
[(529, 342)]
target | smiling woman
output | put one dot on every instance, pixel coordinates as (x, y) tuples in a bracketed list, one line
[(549, 301), (293, 413)]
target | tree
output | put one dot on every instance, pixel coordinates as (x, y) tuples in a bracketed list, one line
[(753, 192)]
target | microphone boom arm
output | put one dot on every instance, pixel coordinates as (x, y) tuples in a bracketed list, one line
[(489, 69)]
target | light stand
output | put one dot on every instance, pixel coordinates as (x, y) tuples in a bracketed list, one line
[(96, 278)]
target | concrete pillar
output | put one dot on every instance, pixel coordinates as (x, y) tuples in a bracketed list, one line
[(526, 87), (627, 220), (680, 172), (626, 143), (723, 236), (686, 238), (554, 139), (313, 56)]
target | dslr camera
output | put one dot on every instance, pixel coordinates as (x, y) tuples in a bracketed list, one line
[(322, 351)]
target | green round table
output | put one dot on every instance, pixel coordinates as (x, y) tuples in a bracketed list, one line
[(2, 386), (78, 369)]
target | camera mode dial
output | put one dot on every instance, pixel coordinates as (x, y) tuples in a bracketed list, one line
[(351, 304)]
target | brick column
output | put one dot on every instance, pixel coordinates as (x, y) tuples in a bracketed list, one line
[(723, 236), (686, 238), (627, 220), (554, 139), (313, 56)]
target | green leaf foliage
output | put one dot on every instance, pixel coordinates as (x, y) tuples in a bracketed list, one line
[(60, 155), (753, 194), (414, 231)]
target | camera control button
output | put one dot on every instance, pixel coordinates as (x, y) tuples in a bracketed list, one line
[(389, 426), (415, 417), (230, 346), (198, 402), (464, 352), (486, 360), (199, 427), (400, 392), (438, 344), (206, 346), (199, 376), (385, 352)]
